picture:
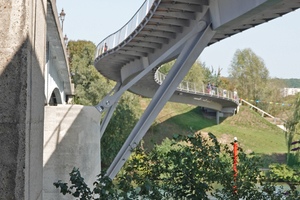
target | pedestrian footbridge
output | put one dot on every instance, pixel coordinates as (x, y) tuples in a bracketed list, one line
[(161, 31)]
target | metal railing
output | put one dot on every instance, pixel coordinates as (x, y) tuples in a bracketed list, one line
[(198, 88), (275, 120), (119, 36)]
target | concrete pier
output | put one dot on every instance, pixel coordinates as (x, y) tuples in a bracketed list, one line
[(71, 139)]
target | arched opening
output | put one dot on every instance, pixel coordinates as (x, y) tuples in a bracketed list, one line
[(55, 98)]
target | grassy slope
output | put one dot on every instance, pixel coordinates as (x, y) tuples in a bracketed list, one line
[(253, 132)]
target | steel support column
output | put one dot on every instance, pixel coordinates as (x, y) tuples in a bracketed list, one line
[(110, 110), (218, 117), (191, 51)]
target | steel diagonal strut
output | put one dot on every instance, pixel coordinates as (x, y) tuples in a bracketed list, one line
[(110, 100), (110, 110), (191, 51)]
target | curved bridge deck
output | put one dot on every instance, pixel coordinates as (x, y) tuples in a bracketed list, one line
[(163, 30), (159, 24)]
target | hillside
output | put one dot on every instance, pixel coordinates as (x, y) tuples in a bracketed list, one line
[(254, 133)]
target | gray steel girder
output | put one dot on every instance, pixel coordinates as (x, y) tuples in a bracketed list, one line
[(192, 49)]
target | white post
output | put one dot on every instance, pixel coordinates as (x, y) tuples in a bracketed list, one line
[(187, 86), (218, 117)]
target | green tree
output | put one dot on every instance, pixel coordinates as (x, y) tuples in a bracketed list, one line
[(125, 117), (225, 83), (198, 73), (273, 93), (76, 48), (249, 74), (293, 127), (91, 87)]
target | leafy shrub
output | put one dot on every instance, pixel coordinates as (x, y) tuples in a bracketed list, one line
[(187, 170)]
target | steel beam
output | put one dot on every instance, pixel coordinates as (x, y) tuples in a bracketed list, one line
[(176, 22), (191, 51), (163, 34), (159, 40), (175, 29), (110, 111), (140, 49), (180, 15), (146, 44), (186, 7)]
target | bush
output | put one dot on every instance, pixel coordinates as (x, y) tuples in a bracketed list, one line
[(186, 170)]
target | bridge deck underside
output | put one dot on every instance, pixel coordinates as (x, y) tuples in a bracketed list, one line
[(165, 24)]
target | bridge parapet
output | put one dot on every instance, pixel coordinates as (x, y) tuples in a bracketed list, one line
[(124, 33), (198, 88)]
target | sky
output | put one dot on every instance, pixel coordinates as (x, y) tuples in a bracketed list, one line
[(277, 42)]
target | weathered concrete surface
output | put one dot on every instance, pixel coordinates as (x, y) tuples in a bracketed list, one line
[(22, 58), (71, 139)]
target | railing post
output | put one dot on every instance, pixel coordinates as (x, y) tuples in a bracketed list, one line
[(203, 88), (160, 78), (114, 42), (126, 31), (137, 20), (187, 86), (148, 6)]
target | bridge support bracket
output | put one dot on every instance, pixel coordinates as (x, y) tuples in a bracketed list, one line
[(194, 45)]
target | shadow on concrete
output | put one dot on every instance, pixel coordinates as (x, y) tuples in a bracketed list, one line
[(57, 129), (72, 139), (21, 121)]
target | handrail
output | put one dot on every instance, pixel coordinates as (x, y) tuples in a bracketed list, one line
[(263, 112), (123, 33), (198, 88)]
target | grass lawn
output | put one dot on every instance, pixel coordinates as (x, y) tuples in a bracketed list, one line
[(254, 133)]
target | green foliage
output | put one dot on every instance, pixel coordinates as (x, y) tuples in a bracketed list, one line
[(185, 172), (273, 93), (165, 68), (250, 77), (292, 82), (292, 126), (81, 188), (212, 76), (198, 73), (76, 48), (249, 74), (91, 87), (123, 121), (283, 172), (226, 84)]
